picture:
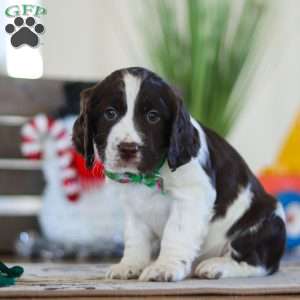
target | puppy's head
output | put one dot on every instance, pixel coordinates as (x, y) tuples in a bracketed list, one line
[(134, 120)]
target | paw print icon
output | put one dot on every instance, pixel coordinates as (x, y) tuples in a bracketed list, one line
[(24, 32)]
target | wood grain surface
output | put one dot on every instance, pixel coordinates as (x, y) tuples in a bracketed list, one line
[(16, 182), (28, 97)]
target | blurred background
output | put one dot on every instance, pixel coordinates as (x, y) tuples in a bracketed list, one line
[(235, 62)]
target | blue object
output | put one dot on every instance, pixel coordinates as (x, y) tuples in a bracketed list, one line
[(288, 198)]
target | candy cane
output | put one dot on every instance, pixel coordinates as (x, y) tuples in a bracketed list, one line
[(34, 134)]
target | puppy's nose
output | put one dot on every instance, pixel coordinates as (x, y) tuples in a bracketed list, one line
[(128, 150)]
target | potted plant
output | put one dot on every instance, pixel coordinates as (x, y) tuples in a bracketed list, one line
[(205, 55)]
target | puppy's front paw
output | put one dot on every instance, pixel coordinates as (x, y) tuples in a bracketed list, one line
[(160, 271), (124, 271)]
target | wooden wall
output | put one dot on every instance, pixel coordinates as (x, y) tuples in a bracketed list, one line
[(20, 99)]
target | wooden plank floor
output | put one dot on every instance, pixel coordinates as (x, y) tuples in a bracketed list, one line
[(278, 297), (69, 281)]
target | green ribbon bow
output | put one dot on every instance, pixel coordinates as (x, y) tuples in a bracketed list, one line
[(8, 275), (151, 180)]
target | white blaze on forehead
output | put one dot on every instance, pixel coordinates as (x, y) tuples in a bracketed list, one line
[(124, 130), (132, 87)]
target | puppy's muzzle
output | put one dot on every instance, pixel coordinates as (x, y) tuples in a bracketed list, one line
[(128, 151)]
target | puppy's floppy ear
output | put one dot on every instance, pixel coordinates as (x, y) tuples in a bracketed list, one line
[(82, 129), (184, 140)]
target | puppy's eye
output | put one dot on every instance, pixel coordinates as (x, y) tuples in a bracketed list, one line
[(152, 117), (110, 114)]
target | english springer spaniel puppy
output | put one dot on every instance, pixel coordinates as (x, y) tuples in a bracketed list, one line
[(183, 185)]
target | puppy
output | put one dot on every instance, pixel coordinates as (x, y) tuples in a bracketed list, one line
[(183, 185)]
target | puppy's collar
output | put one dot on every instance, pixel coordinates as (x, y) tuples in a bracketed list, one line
[(152, 180)]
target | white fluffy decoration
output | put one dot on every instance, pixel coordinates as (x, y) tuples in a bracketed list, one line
[(96, 216)]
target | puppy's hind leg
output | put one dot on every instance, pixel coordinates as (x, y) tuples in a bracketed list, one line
[(226, 267), (254, 253)]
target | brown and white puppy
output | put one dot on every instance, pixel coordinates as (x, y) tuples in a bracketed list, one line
[(214, 219)]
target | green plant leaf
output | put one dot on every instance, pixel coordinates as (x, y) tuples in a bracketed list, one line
[(205, 57)]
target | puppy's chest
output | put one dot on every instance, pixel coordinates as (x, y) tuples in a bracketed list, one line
[(151, 206)]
